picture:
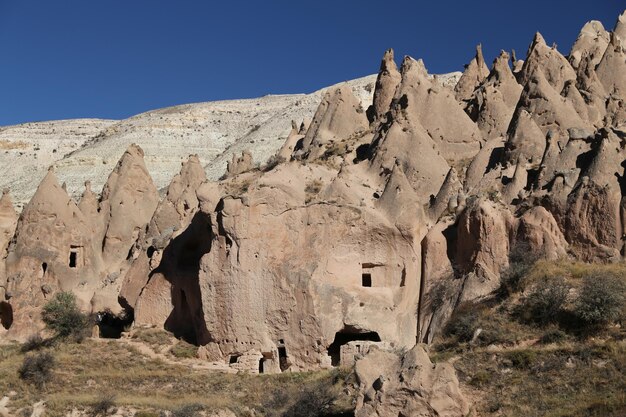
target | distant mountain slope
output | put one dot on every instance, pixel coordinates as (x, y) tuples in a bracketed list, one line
[(86, 149)]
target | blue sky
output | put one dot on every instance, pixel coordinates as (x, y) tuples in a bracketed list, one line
[(64, 59)]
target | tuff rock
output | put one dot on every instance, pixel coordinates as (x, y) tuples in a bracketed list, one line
[(363, 234)]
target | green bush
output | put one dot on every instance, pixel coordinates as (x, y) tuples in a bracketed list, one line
[(601, 299), (62, 316), (463, 323), (521, 261), (37, 369), (34, 342), (544, 304), (522, 359)]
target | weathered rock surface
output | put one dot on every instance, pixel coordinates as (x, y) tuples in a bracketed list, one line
[(89, 148), (407, 385), (386, 83), (474, 75), (360, 236)]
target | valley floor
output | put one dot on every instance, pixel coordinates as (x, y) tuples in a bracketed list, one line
[(107, 377)]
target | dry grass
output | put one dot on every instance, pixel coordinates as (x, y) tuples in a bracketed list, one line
[(517, 367), (155, 338), (312, 189), (573, 381), (184, 350), (238, 186), (574, 271), (9, 145), (86, 370)]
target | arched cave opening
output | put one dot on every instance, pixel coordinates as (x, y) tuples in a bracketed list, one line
[(180, 265), (111, 326), (346, 335), (6, 315)]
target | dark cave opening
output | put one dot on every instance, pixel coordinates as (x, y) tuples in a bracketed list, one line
[(282, 358), (182, 324), (366, 280), (180, 265), (112, 326), (6, 315), (346, 335), (73, 256)]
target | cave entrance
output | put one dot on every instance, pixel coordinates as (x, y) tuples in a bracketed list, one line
[(181, 322), (74, 257), (6, 315), (346, 335), (111, 326), (267, 363), (366, 279), (283, 361)]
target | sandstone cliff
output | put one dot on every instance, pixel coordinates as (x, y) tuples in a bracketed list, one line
[(363, 233)]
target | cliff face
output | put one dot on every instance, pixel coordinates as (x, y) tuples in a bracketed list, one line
[(368, 227)]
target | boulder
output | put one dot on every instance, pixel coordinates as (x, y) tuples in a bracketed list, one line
[(408, 384)]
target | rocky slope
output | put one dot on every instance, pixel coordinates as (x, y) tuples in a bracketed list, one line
[(88, 148), (362, 234)]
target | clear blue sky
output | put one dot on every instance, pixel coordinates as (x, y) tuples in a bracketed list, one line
[(64, 59)]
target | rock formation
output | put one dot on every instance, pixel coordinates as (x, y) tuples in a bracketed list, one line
[(61, 246), (240, 164), (386, 83), (361, 236), (339, 116), (407, 385), (475, 73)]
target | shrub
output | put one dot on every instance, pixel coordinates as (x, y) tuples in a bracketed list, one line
[(34, 342), (312, 401), (601, 299), (463, 323), (481, 378), (37, 369), (521, 261), (273, 162), (153, 337), (545, 302), (312, 189), (147, 413), (102, 406), (522, 359), (552, 336), (62, 316), (188, 410)]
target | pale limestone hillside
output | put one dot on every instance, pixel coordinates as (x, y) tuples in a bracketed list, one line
[(87, 149)]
